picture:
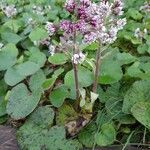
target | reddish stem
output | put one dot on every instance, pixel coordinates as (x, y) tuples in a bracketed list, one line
[(98, 56)]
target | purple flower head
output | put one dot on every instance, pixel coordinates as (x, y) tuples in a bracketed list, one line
[(50, 28), (104, 8), (81, 26), (81, 12), (78, 58), (70, 5), (85, 3), (89, 38), (66, 26), (117, 7)]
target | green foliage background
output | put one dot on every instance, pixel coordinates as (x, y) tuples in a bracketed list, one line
[(31, 79)]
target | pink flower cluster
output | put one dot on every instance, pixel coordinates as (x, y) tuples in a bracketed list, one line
[(50, 28), (95, 21)]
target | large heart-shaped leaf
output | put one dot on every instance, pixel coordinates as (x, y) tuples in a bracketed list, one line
[(21, 102), (19, 72), (139, 92), (11, 37)]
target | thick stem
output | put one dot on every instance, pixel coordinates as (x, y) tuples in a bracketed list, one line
[(75, 71), (76, 81), (98, 56)]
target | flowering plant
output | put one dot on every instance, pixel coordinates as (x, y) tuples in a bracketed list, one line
[(90, 22)]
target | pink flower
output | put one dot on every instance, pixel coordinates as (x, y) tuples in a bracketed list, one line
[(89, 38), (117, 7), (50, 28), (85, 2), (78, 58), (70, 5), (81, 26), (67, 26)]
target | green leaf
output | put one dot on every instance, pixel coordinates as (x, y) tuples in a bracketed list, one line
[(85, 78), (126, 119), (11, 37), (139, 70), (21, 102), (65, 114), (48, 83), (141, 111), (110, 72), (142, 49), (8, 56), (12, 77), (58, 72), (3, 87), (125, 58), (19, 72), (139, 92), (37, 57), (37, 80), (36, 133), (57, 96), (112, 92), (14, 25), (27, 68), (3, 119), (133, 13), (87, 135), (38, 34), (2, 106), (42, 117), (58, 59), (106, 136)]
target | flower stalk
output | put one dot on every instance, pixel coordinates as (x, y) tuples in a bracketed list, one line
[(97, 68), (75, 69)]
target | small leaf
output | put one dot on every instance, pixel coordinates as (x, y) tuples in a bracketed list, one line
[(48, 83), (133, 13), (141, 111), (58, 59), (38, 34), (87, 135), (37, 57), (37, 80), (106, 136), (8, 56), (58, 96)]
